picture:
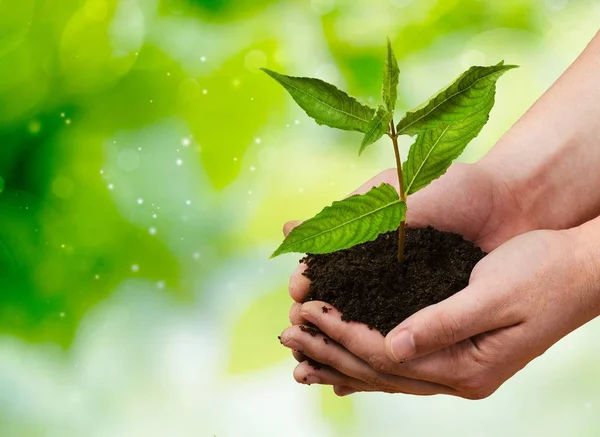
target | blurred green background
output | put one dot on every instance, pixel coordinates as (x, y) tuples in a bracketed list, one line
[(146, 169)]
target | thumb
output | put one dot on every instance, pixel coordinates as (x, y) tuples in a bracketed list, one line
[(287, 228), (461, 316)]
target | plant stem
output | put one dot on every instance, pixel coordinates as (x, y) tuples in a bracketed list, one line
[(401, 229)]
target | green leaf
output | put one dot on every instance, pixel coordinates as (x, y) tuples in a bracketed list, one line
[(326, 104), (390, 79), (346, 223), (378, 127), (435, 149), (464, 97)]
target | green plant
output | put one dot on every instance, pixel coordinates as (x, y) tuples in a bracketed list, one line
[(443, 128)]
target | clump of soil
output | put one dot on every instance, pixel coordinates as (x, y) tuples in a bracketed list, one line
[(310, 329), (368, 285)]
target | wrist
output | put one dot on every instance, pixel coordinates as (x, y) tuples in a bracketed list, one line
[(549, 158), (583, 253), (510, 213)]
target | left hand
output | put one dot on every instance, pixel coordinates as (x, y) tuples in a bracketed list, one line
[(521, 299)]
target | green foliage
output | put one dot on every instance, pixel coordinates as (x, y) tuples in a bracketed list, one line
[(464, 97), (326, 104), (378, 127), (348, 222), (435, 149), (391, 73), (444, 126)]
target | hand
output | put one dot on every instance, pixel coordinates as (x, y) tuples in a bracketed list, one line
[(521, 299), (467, 200)]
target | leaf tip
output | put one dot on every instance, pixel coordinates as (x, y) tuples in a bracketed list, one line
[(507, 67), (276, 253), (273, 74)]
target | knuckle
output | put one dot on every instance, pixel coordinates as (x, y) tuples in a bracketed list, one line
[(379, 363), (446, 328), (374, 379), (294, 314), (333, 361), (344, 339)]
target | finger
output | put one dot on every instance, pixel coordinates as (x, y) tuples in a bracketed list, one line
[(287, 228), (299, 284), (445, 367), (326, 351), (469, 312), (294, 316), (331, 354), (304, 373), (299, 356), (341, 390), (357, 338), (476, 367)]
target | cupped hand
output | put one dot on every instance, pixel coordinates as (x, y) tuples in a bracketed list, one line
[(521, 299), (468, 201)]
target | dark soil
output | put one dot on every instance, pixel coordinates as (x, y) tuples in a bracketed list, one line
[(368, 285)]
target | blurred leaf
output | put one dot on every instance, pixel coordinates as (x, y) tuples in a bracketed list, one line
[(378, 127), (462, 98), (23, 83), (80, 246), (346, 223), (15, 22), (147, 94), (233, 96), (100, 44), (326, 104), (391, 72), (215, 10), (433, 26), (254, 344)]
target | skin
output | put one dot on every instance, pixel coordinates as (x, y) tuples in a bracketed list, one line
[(532, 203)]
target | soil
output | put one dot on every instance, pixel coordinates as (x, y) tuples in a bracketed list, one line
[(368, 285), (312, 330)]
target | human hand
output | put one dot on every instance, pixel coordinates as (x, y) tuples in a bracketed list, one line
[(469, 201), (521, 299)]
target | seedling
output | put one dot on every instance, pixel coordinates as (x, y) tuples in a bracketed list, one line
[(443, 127)]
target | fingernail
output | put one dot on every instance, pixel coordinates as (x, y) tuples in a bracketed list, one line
[(308, 317), (402, 345), (293, 344)]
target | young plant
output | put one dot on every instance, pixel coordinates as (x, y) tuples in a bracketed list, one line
[(443, 127)]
